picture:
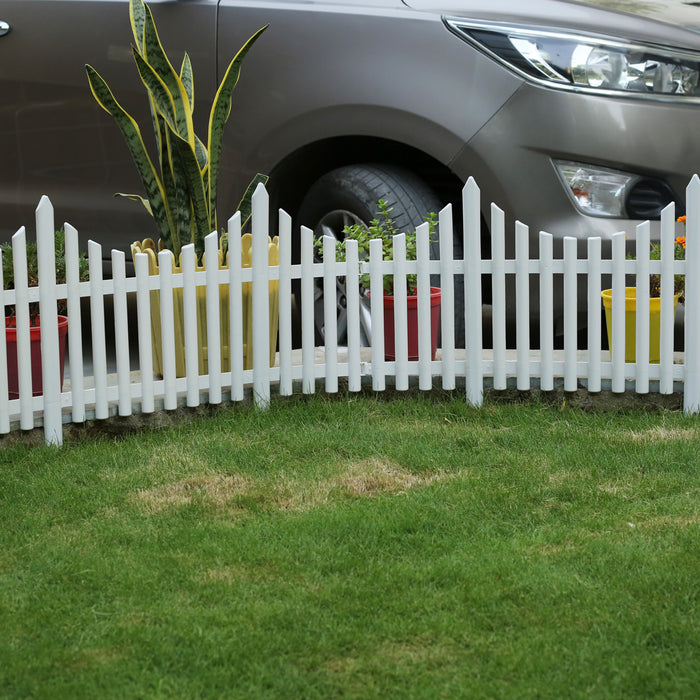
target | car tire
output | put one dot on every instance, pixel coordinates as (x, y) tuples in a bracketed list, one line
[(349, 195)]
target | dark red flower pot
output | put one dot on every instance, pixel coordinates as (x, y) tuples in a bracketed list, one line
[(412, 314), (35, 342)]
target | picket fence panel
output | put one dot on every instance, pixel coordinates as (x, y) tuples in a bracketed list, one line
[(93, 392)]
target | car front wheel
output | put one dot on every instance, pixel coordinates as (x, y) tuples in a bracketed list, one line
[(349, 195)]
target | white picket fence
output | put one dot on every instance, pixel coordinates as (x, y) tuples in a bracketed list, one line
[(96, 393)]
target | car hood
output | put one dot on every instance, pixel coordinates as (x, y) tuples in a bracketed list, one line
[(669, 22)]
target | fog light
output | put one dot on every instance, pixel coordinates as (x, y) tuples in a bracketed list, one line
[(596, 191)]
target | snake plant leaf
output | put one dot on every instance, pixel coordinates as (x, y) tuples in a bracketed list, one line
[(132, 136), (175, 192), (157, 90), (245, 206), (188, 166), (137, 16), (220, 110), (156, 58), (136, 198), (187, 80)]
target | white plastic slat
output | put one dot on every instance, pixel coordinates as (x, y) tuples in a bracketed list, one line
[(570, 314), (425, 376), (143, 316), (447, 286), (330, 319), (400, 312), (594, 317), (667, 311), (352, 294), (307, 311), (546, 312), (167, 327), (617, 346), (522, 311), (471, 203), (235, 290), (498, 301), (691, 395), (189, 318), (261, 297), (75, 331), (642, 310), (97, 318), (4, 395), (211, 247), (285, 304), (376, 284), (121, 332), (48, 310), (24, 367)]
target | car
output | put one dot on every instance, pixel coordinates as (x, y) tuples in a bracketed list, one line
[(576, 118)]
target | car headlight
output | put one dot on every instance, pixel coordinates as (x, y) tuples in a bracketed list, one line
[(588, 63)]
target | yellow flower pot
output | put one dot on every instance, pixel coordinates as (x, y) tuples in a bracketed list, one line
[(148, 246), (631, 320)]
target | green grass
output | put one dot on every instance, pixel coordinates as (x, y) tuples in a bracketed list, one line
[(359, 549)]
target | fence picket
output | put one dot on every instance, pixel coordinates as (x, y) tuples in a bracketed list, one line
[(24, 367), (376, 285), (121, 332), (691, 390), (48, 311), (285, 310), (471, 215), (97, 318), (546, 312), (425, 373), (235, 291), (447, 303), (617, 345), (190, 323), (75, 329), (522, 307), (642, 304), (570, 315), (4, 389), (261, 297), (143, 315), (498, 296), (594, 317), (330, 319), (352, 293), (667, 312), (167, 325), (211, 251), (400, 313), (308, 329)]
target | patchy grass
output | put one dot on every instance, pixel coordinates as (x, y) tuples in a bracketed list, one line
[(359, 548)]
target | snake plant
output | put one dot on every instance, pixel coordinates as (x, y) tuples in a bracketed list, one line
[(181, 193)]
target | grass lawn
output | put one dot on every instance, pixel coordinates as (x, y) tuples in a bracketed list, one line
[(358, 548)]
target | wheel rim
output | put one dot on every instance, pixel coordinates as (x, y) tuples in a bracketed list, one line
[(332, 224)]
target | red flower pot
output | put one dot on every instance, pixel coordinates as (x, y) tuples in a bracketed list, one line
[(412, 314), (35, 342)]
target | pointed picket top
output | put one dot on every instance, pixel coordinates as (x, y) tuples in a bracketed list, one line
[(691, 394)]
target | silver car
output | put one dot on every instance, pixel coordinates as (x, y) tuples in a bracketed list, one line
[(577, 119)]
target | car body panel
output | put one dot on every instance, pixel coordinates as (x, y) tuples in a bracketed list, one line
[(410, 98), (54, 138)]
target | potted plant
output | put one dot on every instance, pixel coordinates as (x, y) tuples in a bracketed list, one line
[(181, 193), (384, 228), (654, 304), (8, 276)]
